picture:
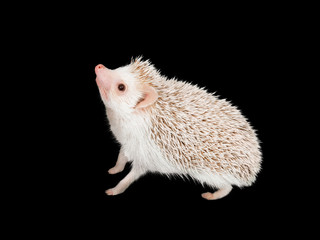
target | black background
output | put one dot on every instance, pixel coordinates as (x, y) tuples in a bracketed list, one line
[(242, 57), (240, 68)]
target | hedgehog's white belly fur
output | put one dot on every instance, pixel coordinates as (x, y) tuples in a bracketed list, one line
[(146, 156), (138, 146)]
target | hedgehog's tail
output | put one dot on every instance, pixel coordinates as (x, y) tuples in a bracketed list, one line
[(222, 192)]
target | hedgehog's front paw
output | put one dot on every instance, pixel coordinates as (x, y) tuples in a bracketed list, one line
[(110, 192), (114, 191), (115, 169)]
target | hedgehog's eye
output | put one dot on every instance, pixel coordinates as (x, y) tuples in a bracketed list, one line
[(121, 87)]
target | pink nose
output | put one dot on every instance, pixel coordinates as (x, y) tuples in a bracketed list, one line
[(99, 67)]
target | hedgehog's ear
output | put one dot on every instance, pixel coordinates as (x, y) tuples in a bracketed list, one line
[(150, 96)]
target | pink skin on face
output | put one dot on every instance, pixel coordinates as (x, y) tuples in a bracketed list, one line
[(105, 78)]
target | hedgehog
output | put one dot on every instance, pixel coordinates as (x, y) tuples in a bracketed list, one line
[(172, 127)]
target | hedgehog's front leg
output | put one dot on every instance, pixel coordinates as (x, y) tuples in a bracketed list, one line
[(124, 183), (121, 162)]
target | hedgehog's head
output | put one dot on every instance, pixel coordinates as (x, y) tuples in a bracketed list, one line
[(122, 89)]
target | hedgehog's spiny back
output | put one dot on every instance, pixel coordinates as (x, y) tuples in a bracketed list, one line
[(199, 132)]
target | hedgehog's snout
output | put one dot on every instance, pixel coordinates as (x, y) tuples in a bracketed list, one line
[(105, 76), (99, 67)]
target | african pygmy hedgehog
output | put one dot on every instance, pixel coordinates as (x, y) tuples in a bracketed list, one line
[(173, 127)]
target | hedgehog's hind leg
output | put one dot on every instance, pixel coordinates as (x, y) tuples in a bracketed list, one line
[(222, 192)]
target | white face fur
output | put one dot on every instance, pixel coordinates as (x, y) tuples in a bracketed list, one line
[(118, 88), (121, 90)]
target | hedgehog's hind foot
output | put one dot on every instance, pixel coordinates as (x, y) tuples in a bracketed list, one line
[(222, 192)]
